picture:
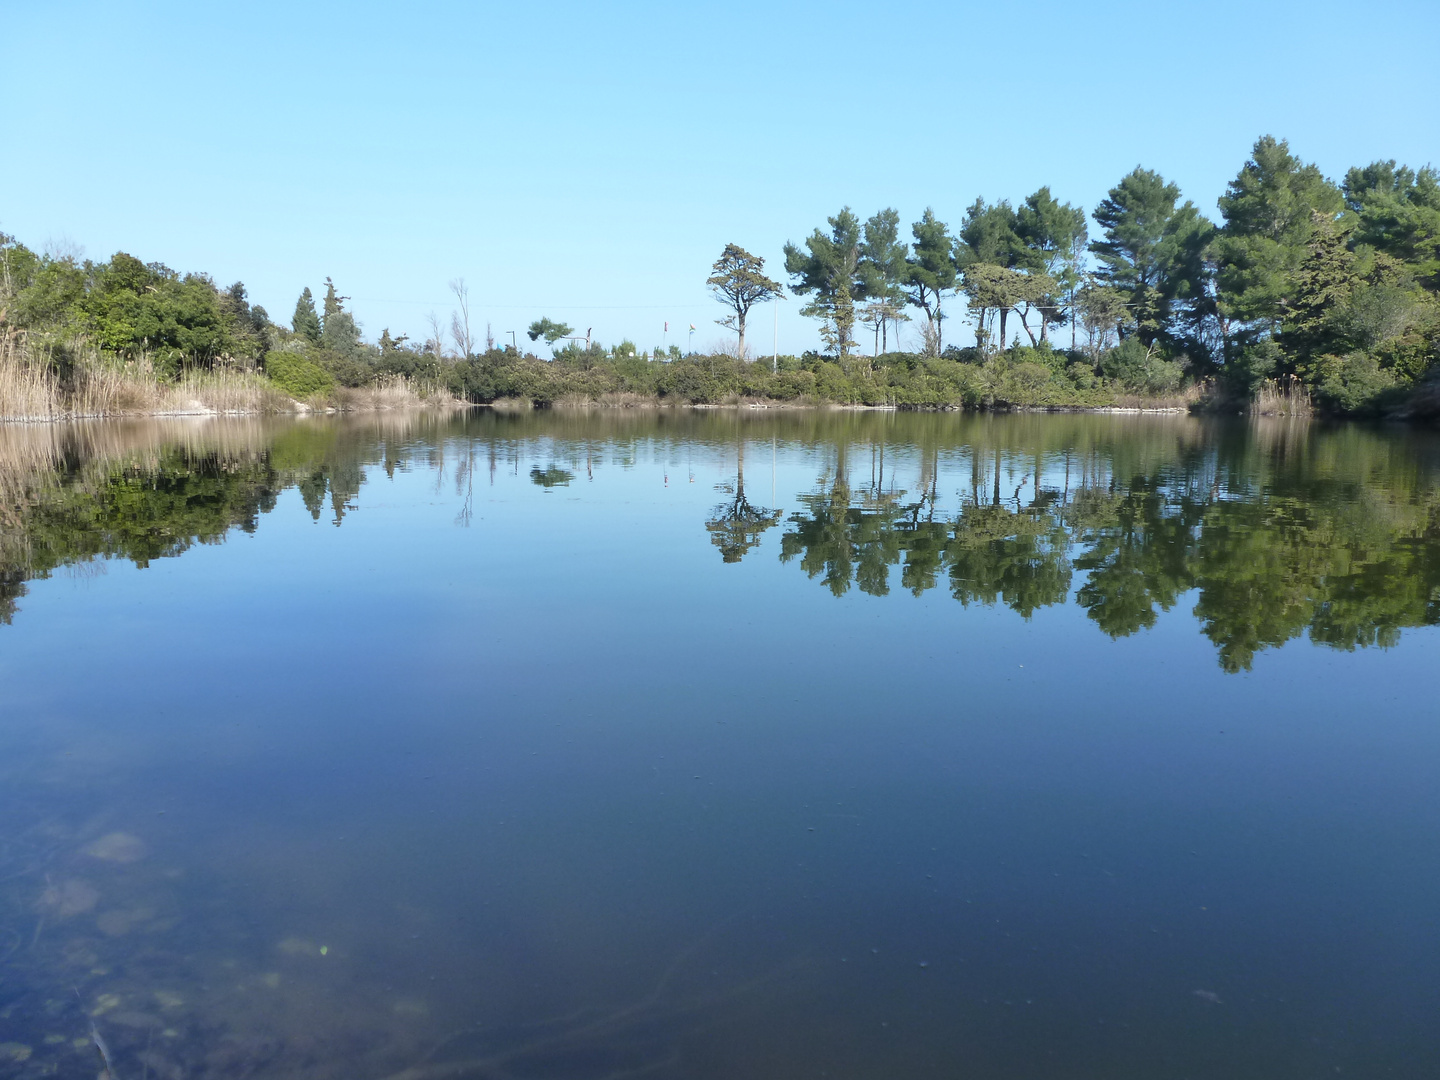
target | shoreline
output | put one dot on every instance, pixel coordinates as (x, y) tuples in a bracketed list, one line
[(516, 406)]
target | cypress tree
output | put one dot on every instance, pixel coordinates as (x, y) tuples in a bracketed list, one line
[(306, 322)]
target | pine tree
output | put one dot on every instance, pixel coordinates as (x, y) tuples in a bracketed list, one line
[(305, 322), (1321, 284), (1270, 210), (739, 283), (827, 268)]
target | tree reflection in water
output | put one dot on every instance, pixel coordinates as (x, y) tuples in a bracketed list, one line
[(1277, 531), (1270, 555)]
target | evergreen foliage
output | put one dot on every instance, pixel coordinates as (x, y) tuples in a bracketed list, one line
[(306, 322), (738, 281)]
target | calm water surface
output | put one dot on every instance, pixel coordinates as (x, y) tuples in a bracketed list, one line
[(710, 745)]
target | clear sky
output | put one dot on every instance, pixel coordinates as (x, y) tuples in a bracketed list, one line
[(589, 161)]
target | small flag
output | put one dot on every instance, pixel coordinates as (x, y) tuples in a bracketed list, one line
[(667, 326), (692, 326)]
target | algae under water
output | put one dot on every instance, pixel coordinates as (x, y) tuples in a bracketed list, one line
[(706, 745)]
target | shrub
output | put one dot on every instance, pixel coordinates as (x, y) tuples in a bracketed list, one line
[(1081, 374), (297, 375), (1354, 383)]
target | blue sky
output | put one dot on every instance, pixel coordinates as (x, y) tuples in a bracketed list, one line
[(588, 162)]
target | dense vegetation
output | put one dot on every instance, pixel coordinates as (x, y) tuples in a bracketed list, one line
[(1320, 288), (1305, 291), (1274, 531)]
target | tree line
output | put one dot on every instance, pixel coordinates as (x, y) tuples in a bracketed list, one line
[(1332, 285), (1301, 282)]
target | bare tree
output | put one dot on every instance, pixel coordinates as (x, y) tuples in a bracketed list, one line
[(436, 341), (460, 320)]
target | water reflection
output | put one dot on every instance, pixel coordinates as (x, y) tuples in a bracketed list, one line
[(1277, 530), (609, 745)]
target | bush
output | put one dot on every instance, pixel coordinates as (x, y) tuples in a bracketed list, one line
[(1137, 368), (297, 375), (1125, 363), (1354, 383), (1253, 366), (1081, 374)]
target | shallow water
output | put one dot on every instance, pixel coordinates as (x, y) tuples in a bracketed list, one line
[(717, 745)]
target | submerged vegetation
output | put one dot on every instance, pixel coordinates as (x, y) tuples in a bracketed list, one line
[(1273, 530), (1307, 295)]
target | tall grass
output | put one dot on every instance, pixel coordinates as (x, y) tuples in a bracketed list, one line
[(102, 386), (27, 390), (1283, 397), (391, 392)]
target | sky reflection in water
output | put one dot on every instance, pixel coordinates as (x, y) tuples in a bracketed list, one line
[(608, 745)]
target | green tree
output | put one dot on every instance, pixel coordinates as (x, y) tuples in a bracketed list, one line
[(136, 308), (992, 288), (338, 330), (882, 273), (1397, 212), (931, 271), (826, 271), (1053, 234), (1270, 211), (988, 237), (1323, 283), (306, 322), (1102, 312), (550, 330), (738, 282), (1151, 254)]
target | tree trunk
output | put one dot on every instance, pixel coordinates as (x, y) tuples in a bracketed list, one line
[(741, 312), (1025, 322), (1004, 311)]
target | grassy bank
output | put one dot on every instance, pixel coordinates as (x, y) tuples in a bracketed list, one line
[(36, 385)]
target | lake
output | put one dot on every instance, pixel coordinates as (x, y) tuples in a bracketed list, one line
[(715, 744)]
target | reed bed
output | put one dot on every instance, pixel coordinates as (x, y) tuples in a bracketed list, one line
[(100, 386), (392, 392), (27, 390), (1283, 397)]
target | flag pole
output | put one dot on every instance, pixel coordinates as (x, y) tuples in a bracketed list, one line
[(775, 359)]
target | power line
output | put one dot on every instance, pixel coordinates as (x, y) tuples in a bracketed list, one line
[(533, 307)]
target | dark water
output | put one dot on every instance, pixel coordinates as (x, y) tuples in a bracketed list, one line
[(608, 745)]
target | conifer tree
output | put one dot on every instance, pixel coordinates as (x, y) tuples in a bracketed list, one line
[(827, 269), (1322, 284), (306, 322), (1270, 211), (930, 273), (739, 283)]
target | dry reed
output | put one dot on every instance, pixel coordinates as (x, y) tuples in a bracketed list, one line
[(27, 390), (1283, 397), (100, 386)]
